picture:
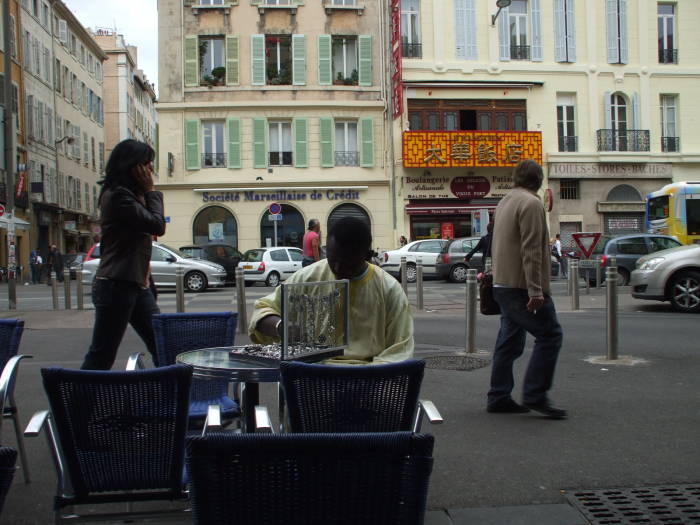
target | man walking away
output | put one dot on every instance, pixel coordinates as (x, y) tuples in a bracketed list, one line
[(521, 268), (312, 243), (55, 264)]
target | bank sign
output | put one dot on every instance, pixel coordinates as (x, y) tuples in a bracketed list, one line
[(280, 195), (463, 188)]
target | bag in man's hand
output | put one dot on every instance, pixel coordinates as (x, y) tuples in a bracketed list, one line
[(487, 303), (554, 250)]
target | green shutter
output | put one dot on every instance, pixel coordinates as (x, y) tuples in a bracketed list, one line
[(324, 60), (192, 144), (232, 75), (299, 60), (365, 42), (234, 142), (259, 149), (367, 149), (326, 135), (301, 143), (191, 61), (254, 2), (257, 60)]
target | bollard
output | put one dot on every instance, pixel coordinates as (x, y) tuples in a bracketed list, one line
[(11, 291), (54, 289), (79, 286), (404, 283), (179, 289), (598, 271), (242, 327), (419, 283), (471, 311), (611, 313), (573, 274), (66, 289)]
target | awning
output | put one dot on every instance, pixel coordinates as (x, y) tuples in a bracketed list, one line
[(20, 224), (448, 209)]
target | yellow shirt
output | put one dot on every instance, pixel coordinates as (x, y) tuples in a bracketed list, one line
[(381, 325)]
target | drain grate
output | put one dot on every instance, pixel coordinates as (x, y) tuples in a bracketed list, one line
[(677, 504)]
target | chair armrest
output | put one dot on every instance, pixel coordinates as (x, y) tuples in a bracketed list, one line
[(213, 420), (135, 362), (430, 411), (263, 424), (36, 423), (7, 378)]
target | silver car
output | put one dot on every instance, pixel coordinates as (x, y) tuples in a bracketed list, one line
[(670, 275), (199, 274)]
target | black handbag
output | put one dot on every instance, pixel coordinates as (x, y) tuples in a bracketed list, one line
[(487, 303)]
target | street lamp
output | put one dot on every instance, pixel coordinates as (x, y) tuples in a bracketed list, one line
[(70, 140), (500, 4)]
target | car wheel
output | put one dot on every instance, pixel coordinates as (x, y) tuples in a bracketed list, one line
[(411, 273), (273, 279), (195, 282), (458, 273), (623, 277), (685, 292)]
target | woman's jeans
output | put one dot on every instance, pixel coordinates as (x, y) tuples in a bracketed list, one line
[(515, 322), (118, 303)]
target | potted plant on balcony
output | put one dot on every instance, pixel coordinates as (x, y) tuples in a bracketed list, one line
[(339, 80), (219, 75), (352, 79)]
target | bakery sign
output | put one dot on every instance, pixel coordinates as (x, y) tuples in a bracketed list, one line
[(463, 188)]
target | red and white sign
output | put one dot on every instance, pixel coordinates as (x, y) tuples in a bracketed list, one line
[(2, 210), (586, 241), (467, 188), (447, 230), (275, 208)]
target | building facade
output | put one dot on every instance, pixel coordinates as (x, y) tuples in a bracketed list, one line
[(595, 92), (262, 103)]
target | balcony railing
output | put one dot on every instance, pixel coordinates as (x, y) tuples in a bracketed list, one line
[(520, 52), (670, 144), (411, 50), (668, 56), (213, 160), (346, 158), (628, 140), (569, 143)]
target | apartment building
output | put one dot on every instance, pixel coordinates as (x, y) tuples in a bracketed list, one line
[(129, 98), (603, 92), (272, 102)]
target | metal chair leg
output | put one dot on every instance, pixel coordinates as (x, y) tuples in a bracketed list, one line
[(20, 447)]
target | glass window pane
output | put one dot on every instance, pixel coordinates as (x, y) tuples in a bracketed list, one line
[(352, 136), (274, 136), (433, 121), (219, 137), (339, 136), (451, 121), (286, 136)]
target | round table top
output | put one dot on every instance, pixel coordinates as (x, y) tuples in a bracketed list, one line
[(219, 363)]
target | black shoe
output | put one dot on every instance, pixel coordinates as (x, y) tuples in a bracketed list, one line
[(506, 406), (546, 409)]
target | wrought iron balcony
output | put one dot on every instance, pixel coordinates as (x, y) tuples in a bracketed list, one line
[(670, 144), (213, 160), (618, 140), (346, 158), (411, 50), (569, 143), (668, 56), (520, 52)]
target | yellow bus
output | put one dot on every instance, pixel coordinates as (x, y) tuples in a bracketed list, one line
[(675, 210)]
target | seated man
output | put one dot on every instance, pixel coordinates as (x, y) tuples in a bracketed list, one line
[(381, 325)]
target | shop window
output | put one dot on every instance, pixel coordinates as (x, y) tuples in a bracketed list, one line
[(215, 224), (290, 230)]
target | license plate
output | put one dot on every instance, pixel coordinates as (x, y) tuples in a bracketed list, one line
[(247, 266), (587, 263)]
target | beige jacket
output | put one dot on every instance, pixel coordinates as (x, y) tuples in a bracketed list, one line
[(520, 246)]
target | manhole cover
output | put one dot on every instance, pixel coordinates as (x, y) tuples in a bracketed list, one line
[(654, 505), (458, 361)]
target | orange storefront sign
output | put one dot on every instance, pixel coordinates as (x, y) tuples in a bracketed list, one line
[(470, 149)]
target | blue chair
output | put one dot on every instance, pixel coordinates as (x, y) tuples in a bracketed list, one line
[(116, 437), (310, 479), (373, 398), (177, 333), (8, 457), (10, 337)]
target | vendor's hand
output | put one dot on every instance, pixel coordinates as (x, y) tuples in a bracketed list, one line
[(142, 175), (535, 303)]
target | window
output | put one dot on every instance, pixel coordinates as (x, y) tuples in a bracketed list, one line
[(15, 106), (13, 38), (57, 76), (566, 125), (564, 31), (280, 140), (662, 243), (212, 64), (102, 156), (278, 61), (569, 189), (410, 29), (213, 155), (632, 246), (517, 23), (47, 65), (668, 54), (26, 45), (345, 60), (86, 195), (344, 2), (45, 15), (467, 115), (40, 121), (211, 2), (73, 44), (616, 16), (279, 255), (669, 139), (30, 115), (86, 150), (346, 152), (82, 54)]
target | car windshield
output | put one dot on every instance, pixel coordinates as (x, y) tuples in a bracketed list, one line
[(191, 252), (253, 255), (600, 247), (176, 252)]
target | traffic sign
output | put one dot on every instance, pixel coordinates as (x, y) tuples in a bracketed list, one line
[(2, 210), (274, 217), (275, 208), (586, 241)]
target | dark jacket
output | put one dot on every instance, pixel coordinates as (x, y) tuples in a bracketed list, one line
[(127, 229), (483, 246)]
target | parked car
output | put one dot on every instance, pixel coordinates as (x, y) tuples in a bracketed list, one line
[(223, 254), (670, 275), (626, 249), (72, 261), (199, 274), (428, 251), (270, 265), (450, 263)]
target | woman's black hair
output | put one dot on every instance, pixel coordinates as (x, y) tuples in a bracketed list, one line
[(124, 158)]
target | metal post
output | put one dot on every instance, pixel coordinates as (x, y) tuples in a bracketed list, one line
[(242, 327), (274, 227), (588, 281), (569, 278), (404, 284), (573, 274), (180, 289), (598, 271), (79, 286), (11, 289), (471, 311), (611, 314), (66, 288), (419, 283), (9, 156), (54, 289)]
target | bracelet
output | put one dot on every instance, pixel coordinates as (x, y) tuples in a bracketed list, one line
[(277, 327)]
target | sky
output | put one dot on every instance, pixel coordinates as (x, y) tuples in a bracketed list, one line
[(137, 20)]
